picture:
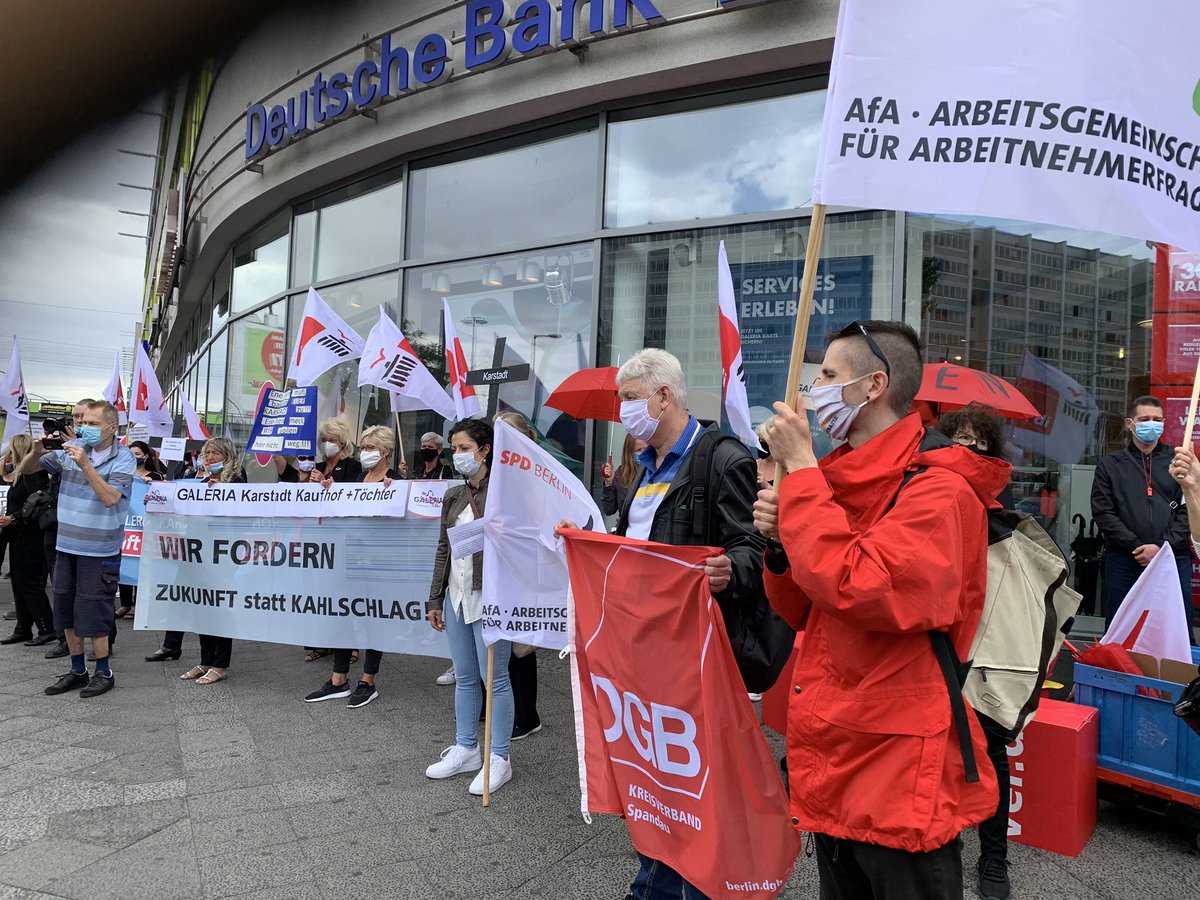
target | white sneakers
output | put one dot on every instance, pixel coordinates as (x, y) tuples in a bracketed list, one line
[(446, 678), (458, 760), (501, 774)]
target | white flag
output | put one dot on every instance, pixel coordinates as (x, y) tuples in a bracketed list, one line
[(114, 393), (733, 376), (149, 406), (389, 361), (1069, 414), (466, 404), (195, 427), (1151, 619), (524, 564), (13, 399), (1081, 114), (324, 341)]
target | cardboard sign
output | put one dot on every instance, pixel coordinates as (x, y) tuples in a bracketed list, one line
[(286, 422), (172, 448)]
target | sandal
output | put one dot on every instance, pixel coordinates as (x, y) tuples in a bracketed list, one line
[(193, 673), (353, 656), (212, 676), (314, 655)]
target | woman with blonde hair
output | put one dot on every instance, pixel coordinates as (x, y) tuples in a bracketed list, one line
[(376, 447)]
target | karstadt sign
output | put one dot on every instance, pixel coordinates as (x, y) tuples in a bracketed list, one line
[(493, 32)]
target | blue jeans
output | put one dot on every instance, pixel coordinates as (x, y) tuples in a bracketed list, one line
[(657, 881), (1121, 570), (469, 655)]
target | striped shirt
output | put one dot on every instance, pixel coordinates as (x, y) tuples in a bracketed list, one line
[(657, 481), (86, 527)]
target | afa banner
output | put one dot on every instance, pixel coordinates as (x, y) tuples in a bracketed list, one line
[(338, 582), (1071, 112), (131, 546), (286, 422), (524, 566), (187, 498), (666, 735)]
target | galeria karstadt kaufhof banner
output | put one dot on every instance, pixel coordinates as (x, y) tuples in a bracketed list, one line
[(400, 498), (348, 575)]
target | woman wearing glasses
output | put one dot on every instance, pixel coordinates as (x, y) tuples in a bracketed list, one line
[(981, 429)]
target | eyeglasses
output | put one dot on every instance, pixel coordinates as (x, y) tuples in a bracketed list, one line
[(857, 329), (970, 440)]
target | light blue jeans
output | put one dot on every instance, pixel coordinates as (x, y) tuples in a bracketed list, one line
[(469, 655)]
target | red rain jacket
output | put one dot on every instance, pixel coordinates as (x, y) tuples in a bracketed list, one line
[(872, 751)]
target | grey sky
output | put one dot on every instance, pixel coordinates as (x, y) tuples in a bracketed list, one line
[(70, 286)]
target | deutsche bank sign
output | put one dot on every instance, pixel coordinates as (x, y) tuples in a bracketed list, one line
[(492, 34)]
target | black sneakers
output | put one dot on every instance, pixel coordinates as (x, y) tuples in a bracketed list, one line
[(69, 682), (100, 684), (58, 651), (993, 878), (330, 691), (363, 694), (520, 732)]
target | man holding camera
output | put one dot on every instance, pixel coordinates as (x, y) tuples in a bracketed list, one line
[(95, 481)]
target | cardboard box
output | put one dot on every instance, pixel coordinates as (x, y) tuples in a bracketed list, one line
[(1052, 803)]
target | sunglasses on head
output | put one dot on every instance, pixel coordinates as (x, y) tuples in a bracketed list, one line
[(857, 329)]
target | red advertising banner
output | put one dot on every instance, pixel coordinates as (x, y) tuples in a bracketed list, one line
[(667, 737)]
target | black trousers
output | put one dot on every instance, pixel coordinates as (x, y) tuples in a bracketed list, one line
[(27, 562), (214, 651), (522, 675), (850, 870), (993, 832), (371, 660), (128, 593), (172, 640)]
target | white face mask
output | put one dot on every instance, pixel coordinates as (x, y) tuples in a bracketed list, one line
[(305, 465), (833, 412), (331, 449), (466, 464), (635, 416), (370, 458)]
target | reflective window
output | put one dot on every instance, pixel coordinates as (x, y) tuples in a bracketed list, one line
[(212, 412), (220, 293), (528, 310), (260, 264), (745, 157), (543, 191), (254, 364), (354, 229)]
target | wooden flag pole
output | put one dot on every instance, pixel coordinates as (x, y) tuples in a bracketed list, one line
[(1191, 416), (812, 255), (487, 728), (400, 440)]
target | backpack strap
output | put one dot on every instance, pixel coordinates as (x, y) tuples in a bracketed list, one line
[(955, 675), (701, 461)]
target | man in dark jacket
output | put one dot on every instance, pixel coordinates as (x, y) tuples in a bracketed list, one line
[(1138, 506)]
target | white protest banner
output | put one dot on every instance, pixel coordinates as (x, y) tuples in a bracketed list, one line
[(13, 399), (1072, 112), (524, 565), (258, 500), (172, 448), (341, 582)]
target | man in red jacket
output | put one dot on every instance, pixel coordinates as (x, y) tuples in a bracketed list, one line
[(867, 566)]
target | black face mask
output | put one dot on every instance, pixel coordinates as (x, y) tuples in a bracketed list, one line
[(427, 454)]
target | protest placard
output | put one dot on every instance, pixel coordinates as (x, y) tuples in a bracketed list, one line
[(286, 422)]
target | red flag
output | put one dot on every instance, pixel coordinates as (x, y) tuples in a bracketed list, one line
[(466, 404), (667, 737)]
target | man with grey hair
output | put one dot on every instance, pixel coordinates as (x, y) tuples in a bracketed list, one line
[(428, 464)]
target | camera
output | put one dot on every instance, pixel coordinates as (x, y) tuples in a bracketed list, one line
[(57, 431)]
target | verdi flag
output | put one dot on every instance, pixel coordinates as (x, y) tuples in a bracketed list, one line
[(1152, 617), (114, 393), (1069, 414), (195, 428), (524, 565), (389, 361), (733, 376), (13, 399), (666, 736), (466, 403), (324, 341), (1075, 113), (149, 406)]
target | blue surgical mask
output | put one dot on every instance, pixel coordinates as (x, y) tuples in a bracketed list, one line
[(1148, 432), (90, 435), (215, 468)]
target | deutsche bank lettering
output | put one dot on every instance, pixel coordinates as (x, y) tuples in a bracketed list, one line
[(492, 33)]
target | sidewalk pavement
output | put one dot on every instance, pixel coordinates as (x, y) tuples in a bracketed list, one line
[(165, 789)]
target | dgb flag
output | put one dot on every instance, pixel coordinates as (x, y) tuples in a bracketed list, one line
[(666, 736)]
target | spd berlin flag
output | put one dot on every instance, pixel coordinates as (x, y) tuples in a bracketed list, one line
[(666, 736)]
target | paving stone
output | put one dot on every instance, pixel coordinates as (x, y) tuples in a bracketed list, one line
[(22, 726), (37, 864), (163, 865), (222, 804), (118, 826), (258, 869), (241, 831), (17, 831)]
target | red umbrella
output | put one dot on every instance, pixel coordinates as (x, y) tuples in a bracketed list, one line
[(957, 386), (588, 394)]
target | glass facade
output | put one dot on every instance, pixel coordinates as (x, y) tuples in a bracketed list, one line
[(578, 245)]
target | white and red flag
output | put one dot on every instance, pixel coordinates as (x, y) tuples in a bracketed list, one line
[(1152, 617), (149, 407), (114, 393), (733, 376), (13, 399), (466, 404), (665, 734), (195, 427), (324, 341), (1069, 413), (390, 362)]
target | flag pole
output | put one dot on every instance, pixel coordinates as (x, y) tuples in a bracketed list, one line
[(812, 255), (487, 728), (400, 440), (1191, 416)]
